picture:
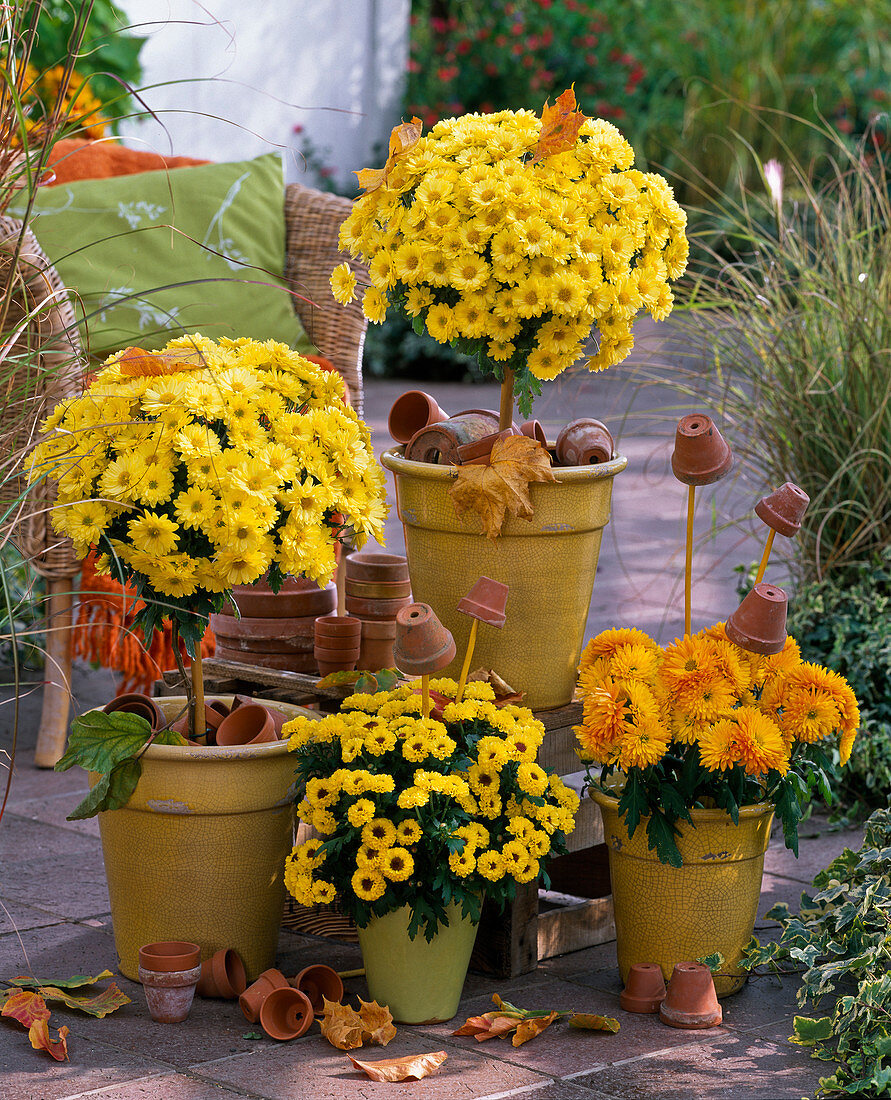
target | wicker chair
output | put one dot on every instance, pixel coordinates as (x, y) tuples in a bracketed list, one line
[(312, 220)]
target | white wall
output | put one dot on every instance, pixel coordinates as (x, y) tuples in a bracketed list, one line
[(245, 73)]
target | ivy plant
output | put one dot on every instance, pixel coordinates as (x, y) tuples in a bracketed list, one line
[(842, 939)]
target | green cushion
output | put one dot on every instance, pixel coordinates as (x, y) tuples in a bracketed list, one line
[(112, 244)]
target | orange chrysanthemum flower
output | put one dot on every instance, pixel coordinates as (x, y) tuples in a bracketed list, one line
[(608, 641), (719, 746), (760, 742), (634, 662)]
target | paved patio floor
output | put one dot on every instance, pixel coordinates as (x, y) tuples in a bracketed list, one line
[(54, 919)]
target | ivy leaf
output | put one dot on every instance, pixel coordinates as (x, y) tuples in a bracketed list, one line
[(110, 792), (808, 1031), (714, 961)]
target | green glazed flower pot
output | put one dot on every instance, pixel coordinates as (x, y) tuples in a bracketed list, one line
[(419, 982)]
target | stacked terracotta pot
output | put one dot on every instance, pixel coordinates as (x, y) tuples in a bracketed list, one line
[(275, 630), (377, 587)]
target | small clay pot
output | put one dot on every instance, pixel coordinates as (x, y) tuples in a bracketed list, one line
[(169, 956), (319, 983), (583, 442), (378, 590), (143, 705), (336, 629), (367, 608), (645, 989), (759, 623), (378, 636), (439, 443), (479, 452), (348, 651), (169, 972), (486, 601), (691, 1001), (423, 645), (534, 430), (412, 411), (222, 975), (213, 719), (784, 509), (253, 997), (376, 567), (286, 1014), (700, 454), (250, 724)]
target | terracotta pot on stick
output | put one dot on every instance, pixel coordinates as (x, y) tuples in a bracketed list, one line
[(701, 455), (759, 623)]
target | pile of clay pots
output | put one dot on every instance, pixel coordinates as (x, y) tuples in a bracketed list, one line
[(245, 722), (431, 435), (689, 1002), (275, 630), (377, 588)]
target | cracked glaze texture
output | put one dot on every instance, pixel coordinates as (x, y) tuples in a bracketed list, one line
[(198, 852), (548, 562), (668, 915)]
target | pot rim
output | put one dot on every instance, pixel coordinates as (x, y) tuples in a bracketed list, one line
[(756, 809), (394, 460)]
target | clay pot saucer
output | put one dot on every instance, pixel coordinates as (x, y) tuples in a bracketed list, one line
[(691, 1001), (423, 645), (700, 456), (250, 724), (369, 608), (286, 1013), (412, 411), (479, 452), (143, 705), (318, 983), (253, 997), (486, 601), (784, 509), (645, 989), (759, 623), (583, 442), (378, 590), (376, 567), (222, 975)]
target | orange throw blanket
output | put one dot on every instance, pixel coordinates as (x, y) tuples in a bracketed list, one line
[(78, 159)]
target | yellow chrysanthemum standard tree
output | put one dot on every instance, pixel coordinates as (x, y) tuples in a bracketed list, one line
[(420, 812), (205, 465), (704, 723), (511, 236)]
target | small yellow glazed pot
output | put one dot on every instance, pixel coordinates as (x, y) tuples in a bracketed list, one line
[(198, 852), (668, 915), (548, 562)]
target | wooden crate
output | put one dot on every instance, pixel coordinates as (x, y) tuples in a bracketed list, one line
[(576, 913)]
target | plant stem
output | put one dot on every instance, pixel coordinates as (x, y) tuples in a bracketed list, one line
[(506, 412)]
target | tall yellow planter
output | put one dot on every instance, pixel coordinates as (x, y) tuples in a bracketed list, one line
[(198, 852), (667, 915), (549, 562)]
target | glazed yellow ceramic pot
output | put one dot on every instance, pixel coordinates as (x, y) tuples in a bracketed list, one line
[(420, 982), (548, 561), (198, 852), (668, 915)]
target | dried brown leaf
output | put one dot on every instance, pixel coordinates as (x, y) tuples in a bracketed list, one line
[(528, 1029), (594, 1023), (412, 1067), (488, 1026), (377, 1021), (560, 126), (29, 1009), (342, 1026)]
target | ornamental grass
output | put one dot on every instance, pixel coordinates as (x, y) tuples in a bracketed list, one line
[(423, 812), (702, 723)]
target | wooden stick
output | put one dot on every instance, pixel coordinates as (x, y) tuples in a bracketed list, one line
[(360, 973), (465, 668), (53, 731), (425, 695), (688, 566), (340, 581), (765, 556), (506, 412), (198, 693)]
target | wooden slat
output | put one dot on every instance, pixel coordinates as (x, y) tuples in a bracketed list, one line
[(507, 942), (574, 927)]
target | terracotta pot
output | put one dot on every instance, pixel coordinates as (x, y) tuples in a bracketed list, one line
[(319, 983), (486, 601), (185, 801), (784, 509), (134, 703), (250, 724), (376, 567), (691, 1001), (288, 662), (700, 456), (213, 719), (423, 645), (379, 629), (759, 623), (269, 635), (169, 993), (644, 990), (376, 609), (256, 993), (339, 654), (480, 451), (583, 442), (439, 443), (534, 430), (170, 956), (376, 652), (298, 597), (378, 590), (332, 630), (412, 411), (286, 1014), (222, 975)]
